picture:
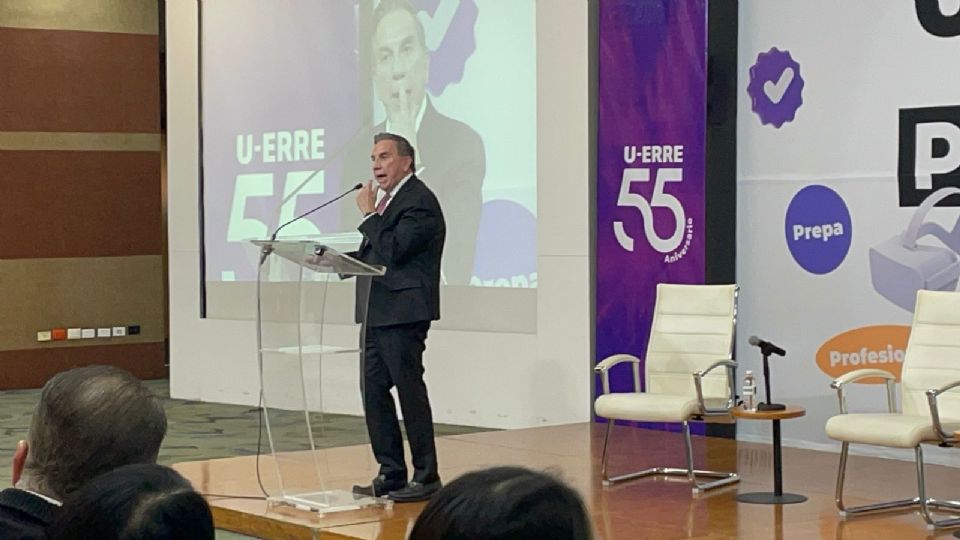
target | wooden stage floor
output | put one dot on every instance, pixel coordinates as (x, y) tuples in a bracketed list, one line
[(635, 510)]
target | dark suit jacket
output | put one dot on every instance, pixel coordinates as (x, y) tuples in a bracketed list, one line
[(454, 164), (408, 239), (23, 515)]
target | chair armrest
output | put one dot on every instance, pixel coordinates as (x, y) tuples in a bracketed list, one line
[(932, 396), (937, 391), (727, 362), (842, 381), (858, 374), (603, 369), (613, 360), (698, 383)]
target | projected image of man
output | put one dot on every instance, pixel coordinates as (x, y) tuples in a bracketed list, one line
[(451, 155), (400, 70)]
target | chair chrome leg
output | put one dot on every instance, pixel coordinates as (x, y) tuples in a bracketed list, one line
[(922, 487), (921, 500), (841, 474), (722, 478), (606, 447), (854, 510), (689, 452), (609, 481), (926, 504)]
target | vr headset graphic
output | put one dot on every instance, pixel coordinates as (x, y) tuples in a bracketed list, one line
[(899, 267)]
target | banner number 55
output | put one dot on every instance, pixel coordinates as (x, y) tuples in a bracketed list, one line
[(658, 200)]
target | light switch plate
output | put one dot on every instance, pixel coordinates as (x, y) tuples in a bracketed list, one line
[(89, 333), (74, 333), (44, 335), (103, 332)]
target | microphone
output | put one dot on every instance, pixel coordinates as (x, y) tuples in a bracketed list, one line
[(267, 250), (765, 346)]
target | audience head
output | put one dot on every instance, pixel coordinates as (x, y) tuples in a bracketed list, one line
[(88, 421), (504, 503), (142, 502)]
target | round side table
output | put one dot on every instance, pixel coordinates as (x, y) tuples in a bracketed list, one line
[(777, 496)]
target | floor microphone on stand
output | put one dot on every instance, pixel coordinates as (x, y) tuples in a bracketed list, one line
[(766, 349), (770, 348)]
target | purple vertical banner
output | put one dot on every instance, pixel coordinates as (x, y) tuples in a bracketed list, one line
[(650, 164)]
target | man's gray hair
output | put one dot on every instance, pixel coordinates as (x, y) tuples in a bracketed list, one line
[(386, 7), (404, 148), (89, 421)]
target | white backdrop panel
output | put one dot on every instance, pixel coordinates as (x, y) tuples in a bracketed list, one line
[(860, 62)]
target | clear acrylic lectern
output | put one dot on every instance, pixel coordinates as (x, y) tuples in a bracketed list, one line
[(292, 294)]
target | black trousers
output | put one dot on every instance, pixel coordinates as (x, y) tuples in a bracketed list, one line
[(393, 356)]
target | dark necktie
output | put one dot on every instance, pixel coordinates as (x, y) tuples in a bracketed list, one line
[(383, 204)]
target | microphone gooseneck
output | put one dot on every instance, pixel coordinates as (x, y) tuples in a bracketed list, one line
[(312, 210), (265, 252)]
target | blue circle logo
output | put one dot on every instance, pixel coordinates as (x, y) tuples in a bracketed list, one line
[(818, 229)]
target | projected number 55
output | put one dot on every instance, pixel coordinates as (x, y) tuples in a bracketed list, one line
[(659, 199), (256, 185)]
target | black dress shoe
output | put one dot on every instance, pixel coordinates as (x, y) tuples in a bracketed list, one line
[(415, 491), (380, 486)]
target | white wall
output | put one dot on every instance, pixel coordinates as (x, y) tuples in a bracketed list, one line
[(475, 378)]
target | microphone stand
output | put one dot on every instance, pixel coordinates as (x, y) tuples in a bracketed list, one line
[(768, 406)]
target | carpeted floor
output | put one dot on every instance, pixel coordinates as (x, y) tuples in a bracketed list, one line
[(198, 430)]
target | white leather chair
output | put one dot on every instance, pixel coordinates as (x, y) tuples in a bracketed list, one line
[(691, 336), (931, 412)]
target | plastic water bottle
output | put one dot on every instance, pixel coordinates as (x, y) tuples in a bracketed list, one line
[(749, 392)]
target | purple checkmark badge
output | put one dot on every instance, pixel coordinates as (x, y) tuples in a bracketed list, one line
[(775, 87), (458, 43)]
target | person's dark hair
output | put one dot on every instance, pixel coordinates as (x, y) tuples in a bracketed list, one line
[(386, 7), (504, 503), (143, 502), (404, 148), (88, 421)]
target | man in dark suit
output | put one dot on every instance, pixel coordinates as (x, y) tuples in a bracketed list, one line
[(403, 229), (88, 421), (451, 154)]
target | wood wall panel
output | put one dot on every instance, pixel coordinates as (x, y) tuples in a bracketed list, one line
[(33, 367), (126, 16), (79, 204), (41, 294), (82, 240), (62, 80), (72, 141)]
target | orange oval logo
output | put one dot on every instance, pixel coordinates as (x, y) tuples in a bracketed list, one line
[(867, 347)]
